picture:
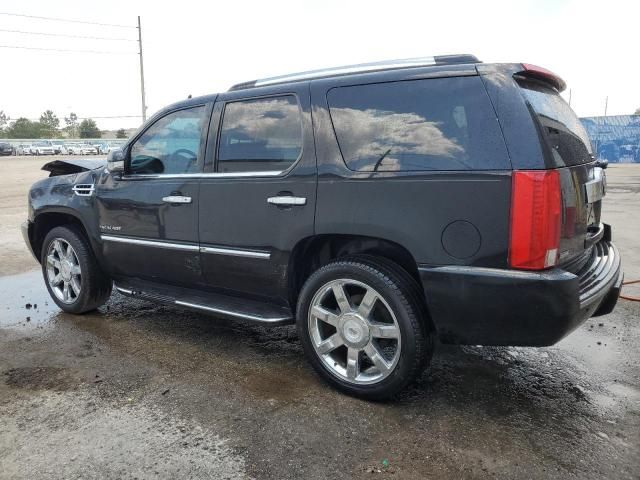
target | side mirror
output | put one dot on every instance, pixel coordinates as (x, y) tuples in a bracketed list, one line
[(115, 161)]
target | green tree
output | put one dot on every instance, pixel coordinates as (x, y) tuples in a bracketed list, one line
[(24, 128), (4, 119), (71, 123), (50, 124), (637, 111), (89, 129), (121, 133)]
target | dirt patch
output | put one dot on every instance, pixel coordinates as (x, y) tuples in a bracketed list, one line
[(39, 378)]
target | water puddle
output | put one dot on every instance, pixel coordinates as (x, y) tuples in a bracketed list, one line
[(25, 301)]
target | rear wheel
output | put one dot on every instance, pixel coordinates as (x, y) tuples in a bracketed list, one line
[(364, 327), (73, 277)]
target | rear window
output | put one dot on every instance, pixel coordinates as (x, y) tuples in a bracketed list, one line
[(434, 124), (568, 140)]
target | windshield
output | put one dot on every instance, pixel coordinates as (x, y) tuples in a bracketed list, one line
[(569, 141)]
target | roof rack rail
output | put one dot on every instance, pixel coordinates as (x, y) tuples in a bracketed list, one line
[(360, 68)]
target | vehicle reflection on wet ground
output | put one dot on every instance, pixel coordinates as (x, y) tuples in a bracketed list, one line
[(139, 387)]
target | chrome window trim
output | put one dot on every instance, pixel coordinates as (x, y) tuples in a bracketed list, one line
[(207, 175), (188, 247), (236, 253)]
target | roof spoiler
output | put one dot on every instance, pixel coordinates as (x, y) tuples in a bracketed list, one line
[(539, 73)]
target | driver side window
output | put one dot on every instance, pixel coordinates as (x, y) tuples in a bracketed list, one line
[(170, 146)]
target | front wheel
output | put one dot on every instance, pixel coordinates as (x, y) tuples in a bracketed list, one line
[(364, 327), (72, 275)]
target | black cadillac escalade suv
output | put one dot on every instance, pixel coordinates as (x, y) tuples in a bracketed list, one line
[(379, 207)]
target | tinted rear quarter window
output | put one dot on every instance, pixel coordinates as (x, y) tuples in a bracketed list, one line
[(263, 134), (434, 124), (565, 135)]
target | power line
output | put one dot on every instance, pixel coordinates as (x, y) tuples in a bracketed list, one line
[(68, 36), (65, 50), (84, 118), (117, 116), (66, 20)]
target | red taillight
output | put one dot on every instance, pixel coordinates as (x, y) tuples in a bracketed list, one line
[(535, 219)]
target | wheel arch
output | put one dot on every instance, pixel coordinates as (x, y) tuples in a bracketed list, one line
[(45, 221), (313, 252)]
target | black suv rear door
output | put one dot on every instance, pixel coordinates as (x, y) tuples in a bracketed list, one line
[(258, 198)]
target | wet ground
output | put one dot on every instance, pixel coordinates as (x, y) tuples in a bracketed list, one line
[(147, 391)]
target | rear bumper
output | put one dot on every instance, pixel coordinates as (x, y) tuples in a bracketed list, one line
[(485, 306)]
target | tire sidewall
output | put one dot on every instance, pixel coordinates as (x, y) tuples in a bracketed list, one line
[(397, 301), (82, 253)]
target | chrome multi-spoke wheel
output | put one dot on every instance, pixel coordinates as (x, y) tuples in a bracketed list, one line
[(71, 272), (63, 271), (363, 325), (354, 331)]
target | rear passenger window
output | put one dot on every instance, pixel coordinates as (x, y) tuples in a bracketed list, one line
[(260, 135), (435, 124)]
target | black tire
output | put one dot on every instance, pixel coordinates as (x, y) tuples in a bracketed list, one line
[(403, 296), (95, 285)]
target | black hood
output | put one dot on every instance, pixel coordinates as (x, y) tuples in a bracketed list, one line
[(65, 167)]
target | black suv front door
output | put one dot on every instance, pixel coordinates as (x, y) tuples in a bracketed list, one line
[(258, 198), (148, 217)]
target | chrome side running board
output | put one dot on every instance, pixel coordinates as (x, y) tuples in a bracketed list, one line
[(217, 304), (228, 313)]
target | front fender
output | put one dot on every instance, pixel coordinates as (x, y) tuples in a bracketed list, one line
[(53, 198)]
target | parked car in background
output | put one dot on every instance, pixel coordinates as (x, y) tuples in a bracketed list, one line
[(114, 146), (42, 148), (81, 149), (101, 148), (58, 147), (73, 148), (23, 149), (6, 149)]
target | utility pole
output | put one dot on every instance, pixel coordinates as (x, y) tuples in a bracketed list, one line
[(144, 105), (569, 97), (606, 104)]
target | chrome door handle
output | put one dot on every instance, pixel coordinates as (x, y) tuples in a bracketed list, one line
[(287, 201), (176, 199)]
